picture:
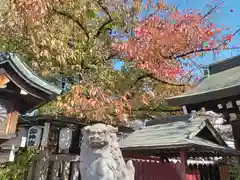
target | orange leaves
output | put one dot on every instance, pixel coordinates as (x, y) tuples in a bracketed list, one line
[(94, 104), (161, 5), (210, 33), (229, 37), (32, 10), (147, 97)]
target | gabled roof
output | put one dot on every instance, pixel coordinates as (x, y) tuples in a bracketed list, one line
[(29, 76), (197, 133), (218, 85), (38, 91)]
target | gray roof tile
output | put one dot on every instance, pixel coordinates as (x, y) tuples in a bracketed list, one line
[(225, 79), (176, 134), (163, 135)]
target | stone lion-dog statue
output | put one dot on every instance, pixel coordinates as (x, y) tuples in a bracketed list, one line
[(101, 157)]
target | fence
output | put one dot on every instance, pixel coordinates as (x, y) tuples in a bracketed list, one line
[(66, 167), (155, 170), (152, 169), (55, 167), (208, 171)]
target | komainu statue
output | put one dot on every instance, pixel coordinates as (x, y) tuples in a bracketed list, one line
[(101, 157)]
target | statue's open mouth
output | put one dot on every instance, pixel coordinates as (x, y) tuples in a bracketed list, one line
[(97, 143)]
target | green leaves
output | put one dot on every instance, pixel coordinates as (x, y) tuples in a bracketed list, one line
[(235, 169), (206, 44), (16, 170), (92, 13), (112, 25), (173, 21)]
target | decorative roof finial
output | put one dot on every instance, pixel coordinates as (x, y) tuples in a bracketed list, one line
[(203, 109), (193, 115)]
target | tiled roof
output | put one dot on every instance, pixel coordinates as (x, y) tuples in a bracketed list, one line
[(221, 80), (224, 81), (174, 134), (163, 135)]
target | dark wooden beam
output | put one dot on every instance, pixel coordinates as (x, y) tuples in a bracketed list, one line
[(66, 120), (184, 165)]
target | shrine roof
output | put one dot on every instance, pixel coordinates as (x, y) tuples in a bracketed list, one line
[(64, 121), (196, 134), (28, 75), (223, 81)]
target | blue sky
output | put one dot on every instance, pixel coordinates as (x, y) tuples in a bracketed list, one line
[(223, 16)]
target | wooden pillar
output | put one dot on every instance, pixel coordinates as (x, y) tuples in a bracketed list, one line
[(45, 136), (184, 108), (184, 165), (75, 145), (236, 135), (41, 171)]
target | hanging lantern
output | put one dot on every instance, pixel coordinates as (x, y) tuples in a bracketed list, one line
[(65, 138), (34, 136)]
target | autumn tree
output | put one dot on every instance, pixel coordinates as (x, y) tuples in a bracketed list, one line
[(166, 45), (80, 39), (72, 39)]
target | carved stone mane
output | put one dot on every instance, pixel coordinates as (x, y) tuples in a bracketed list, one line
[(101, 157)]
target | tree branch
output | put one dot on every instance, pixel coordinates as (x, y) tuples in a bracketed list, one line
[(148, 75), (74, 19), (109, 20), (112, 55), (209, 49), (203, 50), (159, 108), (236, 32), (212, 10)]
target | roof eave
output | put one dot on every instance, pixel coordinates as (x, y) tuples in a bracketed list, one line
[(52, 97), (18, 66), (191, 148), (156, 147), (222, 151), (203, 97)]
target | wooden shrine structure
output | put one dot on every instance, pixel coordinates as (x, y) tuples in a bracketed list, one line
[(183, 139), (52, 128), (218, 91), (21, 91), (59, 142), (153, 149)]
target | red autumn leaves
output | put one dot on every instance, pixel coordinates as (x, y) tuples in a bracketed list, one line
[(160, 45)]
